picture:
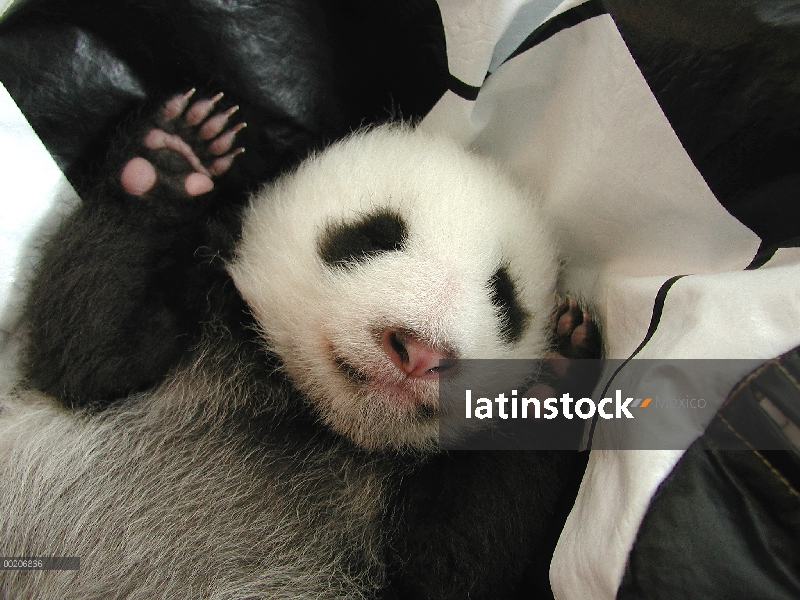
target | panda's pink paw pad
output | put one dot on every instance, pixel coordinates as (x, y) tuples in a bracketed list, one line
[(190, 144), (575, 332)]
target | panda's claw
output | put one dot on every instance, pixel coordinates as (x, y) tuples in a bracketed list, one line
[(222, 164), (223, 143), (213, 126), (199, 111), (175, 106)]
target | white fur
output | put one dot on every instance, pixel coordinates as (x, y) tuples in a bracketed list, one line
[(466, 219)]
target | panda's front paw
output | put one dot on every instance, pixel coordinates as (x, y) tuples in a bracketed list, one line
[(575, 335), (184, 147), (575, 331)]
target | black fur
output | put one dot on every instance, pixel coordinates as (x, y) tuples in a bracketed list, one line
[(512, 316), (482, 516), (346, 244), (124, 286)]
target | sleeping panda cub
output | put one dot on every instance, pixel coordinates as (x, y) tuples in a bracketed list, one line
[(292, 452), (380, 262)]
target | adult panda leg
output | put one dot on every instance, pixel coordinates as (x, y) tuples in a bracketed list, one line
[(117, 299)]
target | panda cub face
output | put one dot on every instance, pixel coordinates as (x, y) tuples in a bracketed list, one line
[(382, 260)]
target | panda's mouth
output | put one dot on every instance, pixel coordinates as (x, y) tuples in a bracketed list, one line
[(349, 370), (417, 395)]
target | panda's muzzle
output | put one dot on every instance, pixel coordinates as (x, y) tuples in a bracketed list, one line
[(415, 357)]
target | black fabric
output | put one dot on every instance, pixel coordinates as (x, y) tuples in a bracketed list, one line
[(305, 72), (767, 251), (725, 74), (569, 18), (726, 524), (464, 90)]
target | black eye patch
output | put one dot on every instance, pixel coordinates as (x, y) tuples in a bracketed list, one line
[(503, 294), (349, 243)]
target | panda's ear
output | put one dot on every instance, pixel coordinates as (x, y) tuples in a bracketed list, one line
[(513, 317), (346, 244)]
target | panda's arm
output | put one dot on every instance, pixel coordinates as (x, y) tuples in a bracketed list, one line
[(123, 284)]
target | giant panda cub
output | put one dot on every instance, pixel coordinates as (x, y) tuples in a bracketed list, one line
[(381, 261), (292, 452)]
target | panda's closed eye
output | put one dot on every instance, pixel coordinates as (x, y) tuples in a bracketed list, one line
[(503, 294), (349, 243)]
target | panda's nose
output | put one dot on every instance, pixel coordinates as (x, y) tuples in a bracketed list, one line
[(414, 357)]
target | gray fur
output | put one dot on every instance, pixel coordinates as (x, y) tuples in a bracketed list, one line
[(167, 496)]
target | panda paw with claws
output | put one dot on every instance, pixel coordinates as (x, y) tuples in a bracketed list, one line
[(182, 149)]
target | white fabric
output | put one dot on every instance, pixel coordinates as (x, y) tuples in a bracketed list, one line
[(574, 118), (7, 5)]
